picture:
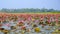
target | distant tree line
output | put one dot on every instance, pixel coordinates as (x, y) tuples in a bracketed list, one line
[(27, 10)]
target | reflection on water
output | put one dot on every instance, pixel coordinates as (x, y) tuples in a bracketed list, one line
[(45, 30)]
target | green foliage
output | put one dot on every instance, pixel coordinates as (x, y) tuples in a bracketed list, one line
[(31, 10)]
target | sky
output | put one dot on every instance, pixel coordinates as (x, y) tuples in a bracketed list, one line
[(18, 4)]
